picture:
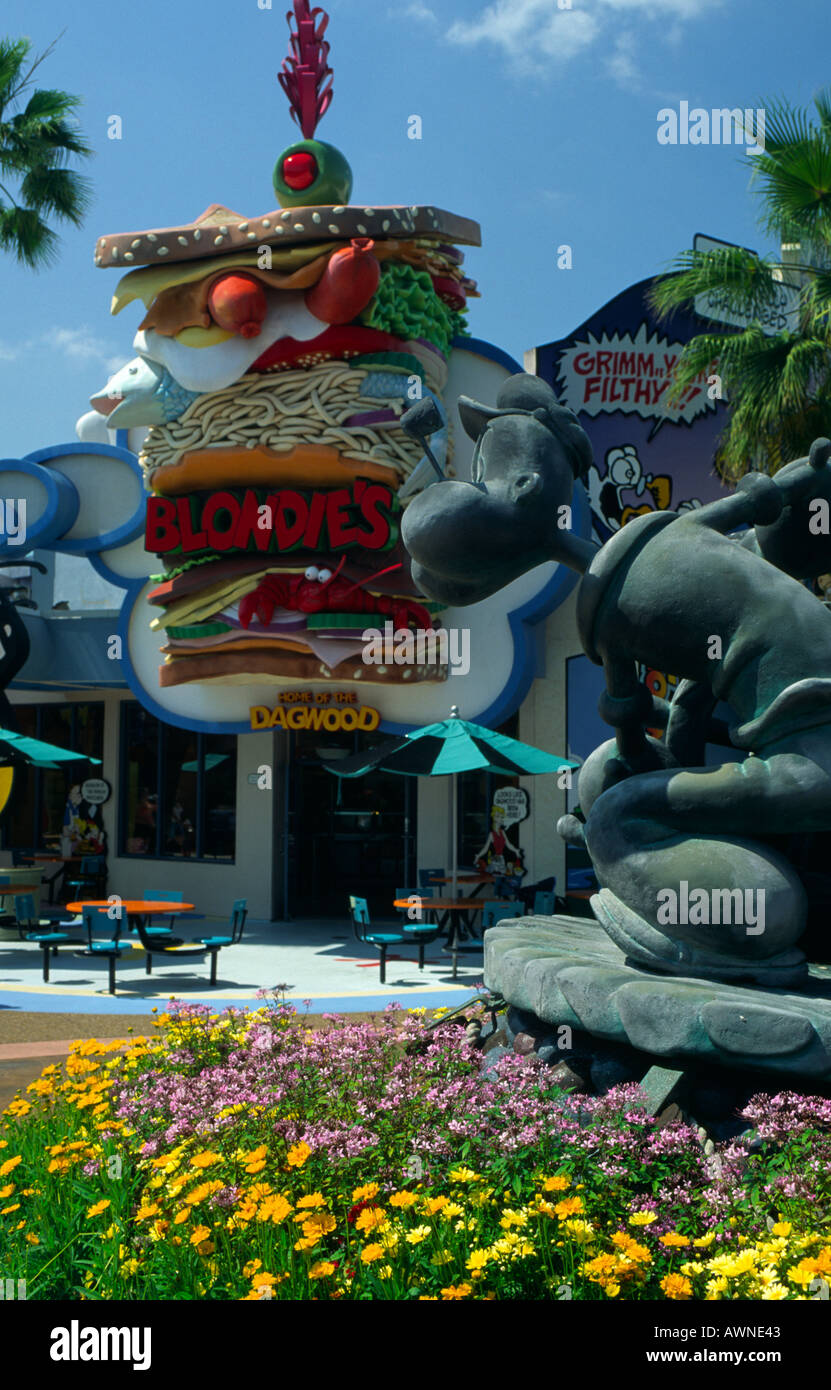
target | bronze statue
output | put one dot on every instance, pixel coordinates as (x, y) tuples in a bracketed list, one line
[(731, 618)]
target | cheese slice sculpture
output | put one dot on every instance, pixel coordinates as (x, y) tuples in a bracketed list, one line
[(275, 359)]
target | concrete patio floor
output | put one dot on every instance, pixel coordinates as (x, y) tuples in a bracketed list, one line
[(318, 960)]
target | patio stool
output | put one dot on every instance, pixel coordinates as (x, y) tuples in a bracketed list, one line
[(28, 927), (381, 940), (98, 946)]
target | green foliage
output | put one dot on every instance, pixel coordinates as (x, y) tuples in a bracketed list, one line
[(778, 385), (37, 140)]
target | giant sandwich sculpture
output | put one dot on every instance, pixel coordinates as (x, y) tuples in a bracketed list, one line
[(275, 359)]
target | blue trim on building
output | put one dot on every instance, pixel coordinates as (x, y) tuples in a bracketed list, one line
[(119, 535), (60, 513)]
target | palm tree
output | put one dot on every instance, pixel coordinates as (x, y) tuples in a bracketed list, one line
[(36, 143), (779, 384)]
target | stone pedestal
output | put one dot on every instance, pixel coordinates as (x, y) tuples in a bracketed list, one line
[(565, 970)]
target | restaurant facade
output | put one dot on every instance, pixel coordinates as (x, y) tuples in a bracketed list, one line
[(220, 788)]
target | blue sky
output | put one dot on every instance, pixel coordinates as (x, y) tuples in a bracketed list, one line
[(539, 122)]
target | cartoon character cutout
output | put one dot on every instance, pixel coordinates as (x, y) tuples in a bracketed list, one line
[(492, 858)]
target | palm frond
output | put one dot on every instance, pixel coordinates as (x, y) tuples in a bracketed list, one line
[(24, 233), (60, 191), (13, 54), (742, 281)]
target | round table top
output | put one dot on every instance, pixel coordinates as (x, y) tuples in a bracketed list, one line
[(139, 905), (464, 878), (444, 904)]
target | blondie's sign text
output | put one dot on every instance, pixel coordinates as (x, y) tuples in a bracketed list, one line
[(255, 519)]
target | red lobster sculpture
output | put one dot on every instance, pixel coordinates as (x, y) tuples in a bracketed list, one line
[(321, 591)]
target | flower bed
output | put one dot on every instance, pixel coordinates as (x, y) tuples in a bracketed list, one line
[(245, 1156)]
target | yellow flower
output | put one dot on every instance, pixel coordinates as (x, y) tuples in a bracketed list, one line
[(463, 1175), (146, 1211), (10, 1165), (804, 1273), (256, 1166), (32, 1238), (432, 1205), (366, 1193), (673, 1238), (251, 1268), (314, 1199), (371, 1219), (98, 1207), (572, 1206), (702, 1242), (321, 1270), (581, 1232), (255, 1155), (442, 1257), (559, 1183), (129, 1268), (457, 1291), (477, 1259), (203, 1190), (206, 1159), (714, 1288), (6, 1191), (372, 1252), (306, 1243), (181, 1216), (451, 1209), (418, 1234), (633, 1251), (320, 1224), (643, 1218), (298, 1155), (781, 1228), (676, 1286), (520, 1218), (403, 1199), (199, 1234)]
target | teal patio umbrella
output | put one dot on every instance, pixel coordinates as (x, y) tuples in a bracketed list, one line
[(20, 748), (447, 748)]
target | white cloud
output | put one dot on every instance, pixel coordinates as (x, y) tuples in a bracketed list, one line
[(78, 344), (534, 33), (418, 10), (622, 66)]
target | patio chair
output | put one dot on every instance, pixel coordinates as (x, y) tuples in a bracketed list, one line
[(381, 940), (29, 929), (103, 938), (494, 912), (236, 926), (428, 876), (421, 932), (160, 933), (91, 877), (156, 946)]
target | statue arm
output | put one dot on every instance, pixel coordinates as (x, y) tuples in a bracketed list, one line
[(756, 501)]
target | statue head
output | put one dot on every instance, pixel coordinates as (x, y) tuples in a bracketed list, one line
[(469, 539)]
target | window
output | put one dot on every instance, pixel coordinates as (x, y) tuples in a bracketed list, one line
[(40, 798), (179, 790)]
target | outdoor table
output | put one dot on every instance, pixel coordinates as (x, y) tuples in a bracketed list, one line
[(479, 879), (134, 907), (444, 909)]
